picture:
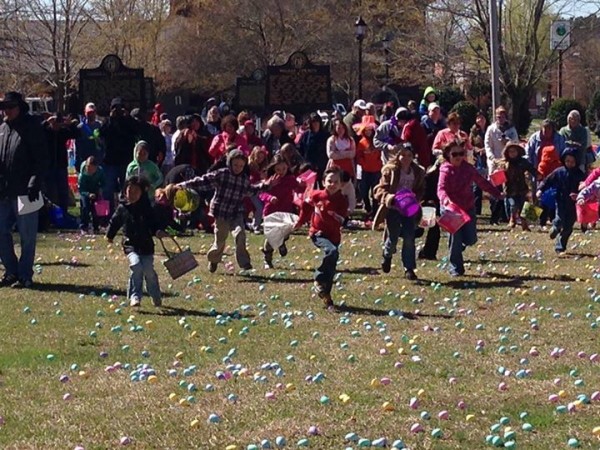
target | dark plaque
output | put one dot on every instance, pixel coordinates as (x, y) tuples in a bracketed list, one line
[(112, 79), (250, 92), (299, 86)]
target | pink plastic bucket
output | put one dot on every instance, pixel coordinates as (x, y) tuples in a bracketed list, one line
[(102, 208), (453, 218), (587, 213), (406, 203), (498, 177)]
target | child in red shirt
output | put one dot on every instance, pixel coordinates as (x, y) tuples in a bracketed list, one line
[(329, 208)]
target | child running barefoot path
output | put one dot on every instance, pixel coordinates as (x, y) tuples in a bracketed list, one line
[(330, 209), (231, 185), (136, 216)]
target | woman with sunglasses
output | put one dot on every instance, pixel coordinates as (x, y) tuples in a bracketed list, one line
[(455, 188)]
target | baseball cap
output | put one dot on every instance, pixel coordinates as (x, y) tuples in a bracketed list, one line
[(360, 104), (432, 106), (89, 107), (11, 99)]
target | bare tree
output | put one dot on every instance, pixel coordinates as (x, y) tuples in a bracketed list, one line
[(44, 34)]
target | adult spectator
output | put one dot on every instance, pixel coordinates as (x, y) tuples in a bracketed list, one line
[(213, 121), (191, 145), (209, 104), (181, 123), (576, 133), (432, 122), (228, 137), (88, 141), (544, 137), (249, 134), (498, 134), (429, 96), (157, 148), (451, 133), (354, 117), (477, 137), (415, 134), (119, 133), (386, 112), (290, 125), (166, 129), (275, 136), (388, 136), (23, 159), (157, 113), (313, 145), (56, 181)]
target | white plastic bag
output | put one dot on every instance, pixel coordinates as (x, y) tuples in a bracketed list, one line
[(278, 226)]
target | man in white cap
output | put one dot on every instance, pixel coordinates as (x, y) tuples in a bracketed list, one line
[(88, 143), (355, 117)]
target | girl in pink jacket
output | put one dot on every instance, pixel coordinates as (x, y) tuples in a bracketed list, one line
[(280, 198)]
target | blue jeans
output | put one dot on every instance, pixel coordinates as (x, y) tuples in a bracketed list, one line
[(140, 267), (399, 225), (88, 209), (563, 221), (258, 211), (368, 182), (27, 226), (513, 206), (114, 180), (325, 273), (467, 235)]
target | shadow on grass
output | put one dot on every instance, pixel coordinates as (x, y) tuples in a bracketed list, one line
[(345, 308), (263, 279), (83, 289), (64, 263), (361, 271), (532, 277), (180, 312)]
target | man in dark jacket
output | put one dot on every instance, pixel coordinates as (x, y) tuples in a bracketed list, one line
[(23, 157), (56, 186), (119, 133), (157, 147)]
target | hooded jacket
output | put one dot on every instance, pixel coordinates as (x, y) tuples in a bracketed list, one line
[(566, 182), (90, 184), (230, 189), (424, 103), (139, 226), (146, 169), (23, 155), (388, 185)]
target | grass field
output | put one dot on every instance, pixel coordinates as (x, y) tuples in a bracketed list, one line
[(232, 360)]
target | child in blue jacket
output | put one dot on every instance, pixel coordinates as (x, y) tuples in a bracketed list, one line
[(566, 181)]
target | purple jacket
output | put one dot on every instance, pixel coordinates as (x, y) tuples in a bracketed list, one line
[(456, 185)]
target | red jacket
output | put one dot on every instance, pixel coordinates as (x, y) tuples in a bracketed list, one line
[(251, 140), (322, 222), (284, 193), (414, 133), (219, 144)]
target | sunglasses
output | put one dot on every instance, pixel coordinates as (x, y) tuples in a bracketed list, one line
[(457, 154)]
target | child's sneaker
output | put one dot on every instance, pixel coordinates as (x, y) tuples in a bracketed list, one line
[(212, 267), (283, 251), (157, 302), (320, 290), (134, 301), (386, 264)]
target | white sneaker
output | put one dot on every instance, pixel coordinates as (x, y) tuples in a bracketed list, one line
[(134, 301)]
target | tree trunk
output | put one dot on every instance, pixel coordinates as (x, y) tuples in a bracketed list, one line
[(519, 98)]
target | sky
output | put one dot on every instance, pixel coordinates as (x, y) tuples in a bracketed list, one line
[(580, 8)]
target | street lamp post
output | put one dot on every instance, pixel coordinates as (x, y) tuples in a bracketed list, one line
[(386, 50), (361, 29)]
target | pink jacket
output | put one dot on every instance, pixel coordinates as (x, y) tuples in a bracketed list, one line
[(284, 193), (593, 176), (218, 146), (456, 185)]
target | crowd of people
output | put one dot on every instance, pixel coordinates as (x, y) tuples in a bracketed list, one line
[(138, 162)]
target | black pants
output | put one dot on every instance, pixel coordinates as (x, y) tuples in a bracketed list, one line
[(498, 211)]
